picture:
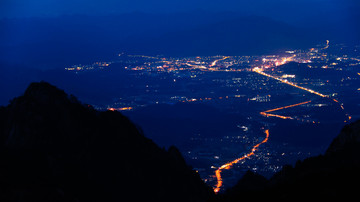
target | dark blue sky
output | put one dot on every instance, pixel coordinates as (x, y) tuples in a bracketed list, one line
[(282, 9), (29, 42)]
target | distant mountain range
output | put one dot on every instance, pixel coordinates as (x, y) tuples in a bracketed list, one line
[(238, 36), (59, 41)]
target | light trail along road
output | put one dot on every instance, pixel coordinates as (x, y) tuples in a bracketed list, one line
[(227, 166), (267, 114), (216, 61), (260, 71)]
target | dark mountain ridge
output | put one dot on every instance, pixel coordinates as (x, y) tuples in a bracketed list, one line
[(54, 148)]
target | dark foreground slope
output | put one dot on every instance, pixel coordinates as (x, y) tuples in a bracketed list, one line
[(334, 175), (53, 148)]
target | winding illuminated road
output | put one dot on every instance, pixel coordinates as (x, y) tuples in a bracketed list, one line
[(227, 166), (260, 71), (216, 61), (267, 114)]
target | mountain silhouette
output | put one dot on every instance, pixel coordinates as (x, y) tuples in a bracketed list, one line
[(334, 175), (54, 148)]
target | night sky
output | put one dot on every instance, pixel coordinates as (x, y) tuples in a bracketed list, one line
[(282, 9), (53, 34)]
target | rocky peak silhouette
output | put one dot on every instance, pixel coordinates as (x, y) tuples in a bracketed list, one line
[(54, 148)]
